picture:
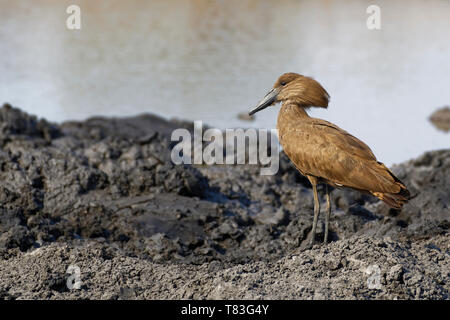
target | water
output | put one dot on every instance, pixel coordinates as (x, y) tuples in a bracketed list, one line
[(210, 60)]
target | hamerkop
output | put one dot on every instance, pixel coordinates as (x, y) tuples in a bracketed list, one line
[(322, 151)]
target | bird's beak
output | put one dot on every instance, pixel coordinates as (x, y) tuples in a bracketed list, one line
[(266, 101)]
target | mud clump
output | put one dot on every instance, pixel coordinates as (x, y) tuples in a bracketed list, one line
[(441, 119), (104, 192)]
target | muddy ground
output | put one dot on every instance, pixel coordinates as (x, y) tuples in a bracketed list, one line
[(441, 118), (103, 196)]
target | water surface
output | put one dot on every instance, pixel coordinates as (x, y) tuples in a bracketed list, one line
[(210, 60)]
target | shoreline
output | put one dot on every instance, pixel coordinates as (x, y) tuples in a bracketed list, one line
[(102, 194)]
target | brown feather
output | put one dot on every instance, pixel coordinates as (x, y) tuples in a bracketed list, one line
[(302, 91), (321, 149)]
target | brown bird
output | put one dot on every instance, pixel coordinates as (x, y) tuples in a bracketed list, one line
[(322, 151)]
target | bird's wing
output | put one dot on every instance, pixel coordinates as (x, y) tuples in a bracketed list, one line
[(322, 149)]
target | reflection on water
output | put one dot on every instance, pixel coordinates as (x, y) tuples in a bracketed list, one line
[(210, 60)]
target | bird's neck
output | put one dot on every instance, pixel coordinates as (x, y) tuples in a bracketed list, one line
[(288, 117), (290, 112)]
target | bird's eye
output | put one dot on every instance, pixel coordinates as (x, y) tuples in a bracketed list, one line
[(283, 83)]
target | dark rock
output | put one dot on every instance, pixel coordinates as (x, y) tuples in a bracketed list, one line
[(111, 182), (441, 119)]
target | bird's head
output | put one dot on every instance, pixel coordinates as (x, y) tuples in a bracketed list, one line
[(295, 89)]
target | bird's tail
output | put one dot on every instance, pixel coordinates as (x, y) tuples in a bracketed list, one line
[(394, 200)]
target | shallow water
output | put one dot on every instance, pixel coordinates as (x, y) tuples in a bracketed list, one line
[(210, 60)]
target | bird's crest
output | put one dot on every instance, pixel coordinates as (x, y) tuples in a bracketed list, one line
[(301, 90)]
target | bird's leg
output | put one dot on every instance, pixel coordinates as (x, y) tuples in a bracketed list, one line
[(316, 213), (327, 214)]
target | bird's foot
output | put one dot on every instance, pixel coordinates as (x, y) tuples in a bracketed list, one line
[(308, 243)]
